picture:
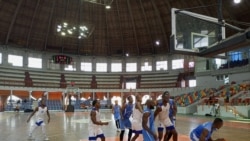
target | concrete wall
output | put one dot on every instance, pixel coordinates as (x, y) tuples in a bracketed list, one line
[(209, 80), (205, 109), (187, 110)]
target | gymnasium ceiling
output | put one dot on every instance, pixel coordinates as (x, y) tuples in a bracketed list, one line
[(130, 26)]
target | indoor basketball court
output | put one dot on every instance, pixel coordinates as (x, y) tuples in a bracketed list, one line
[(66, 126), (197, 35)]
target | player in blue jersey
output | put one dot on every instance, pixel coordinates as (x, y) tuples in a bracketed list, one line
[(95, 123), (172, 116), (148, 131), (204, 131), (116, 112), (163, 110), (126, 112)]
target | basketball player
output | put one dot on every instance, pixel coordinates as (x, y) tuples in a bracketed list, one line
[(116, 112), (137, 118), (40, 112), (172, 116), (95, 123), (126, 112), (148, 122), (204, 131), (164, 120)]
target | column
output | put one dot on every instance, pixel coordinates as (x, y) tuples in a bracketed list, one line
[(138, 60), (169, 60), (5, 57), (124, 61), (93, 95), (93, 64), (25, 60), (78, 63), (109, 60), (154, 64), (30, 92)]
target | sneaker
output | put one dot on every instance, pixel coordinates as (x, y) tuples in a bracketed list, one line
[(46, 138)]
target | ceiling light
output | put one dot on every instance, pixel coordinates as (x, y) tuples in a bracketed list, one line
[(237, 1), (108, 6), (100, 2), (69, 30), (157, 43)]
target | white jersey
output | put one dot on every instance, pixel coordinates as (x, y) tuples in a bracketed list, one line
[(98, 118), (137, 120), (164, 114), (137, 115), (40, 114)]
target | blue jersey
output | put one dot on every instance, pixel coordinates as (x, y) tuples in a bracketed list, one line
[(171, 109), (128, 111), (147, 136), (117, 112), (198, 130)]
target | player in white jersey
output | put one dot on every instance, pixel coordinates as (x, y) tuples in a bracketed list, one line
[(163, 112), (137, 118), (95, 123), (40, 112)]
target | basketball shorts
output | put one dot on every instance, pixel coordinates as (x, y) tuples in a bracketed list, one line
[(125, 123), (166, 124), (137, 126), (95, 133), (40, 122)]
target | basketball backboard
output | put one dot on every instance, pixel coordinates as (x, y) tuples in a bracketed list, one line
[(194, 32), (201, 35)]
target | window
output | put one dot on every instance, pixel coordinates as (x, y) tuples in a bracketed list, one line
[(52, 65), (131, 67), (161, 65), (235, 56), (146, 67), (191, 64), (15, 60), (70, 68), (34, 62), (130, 85), (219, 63), (86, 66), (101, 67), (192, 83), (177, 64), (116, 67)]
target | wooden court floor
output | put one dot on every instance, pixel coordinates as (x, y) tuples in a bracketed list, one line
[(73, 127)]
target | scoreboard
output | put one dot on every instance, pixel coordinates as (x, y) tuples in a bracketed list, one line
[(62, 59)]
